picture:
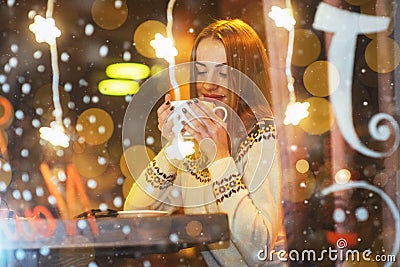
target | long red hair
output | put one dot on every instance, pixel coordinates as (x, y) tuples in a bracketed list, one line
[(245, 52)]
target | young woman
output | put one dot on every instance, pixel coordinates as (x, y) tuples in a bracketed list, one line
[(242, 175)]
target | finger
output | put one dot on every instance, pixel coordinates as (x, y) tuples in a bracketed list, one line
[(199, 105), (167, 98), (195, 122), (164, 111), (195, 134), (165, 106), (211, 122), (163, 118)]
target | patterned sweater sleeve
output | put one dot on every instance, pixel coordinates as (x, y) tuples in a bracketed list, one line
[(152, 189), (251, 198)]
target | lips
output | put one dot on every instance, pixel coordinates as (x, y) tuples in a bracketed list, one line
[(214, 96)]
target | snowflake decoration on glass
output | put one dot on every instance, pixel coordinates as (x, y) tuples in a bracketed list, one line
[(295, 112), (282, 17), (164, 47), (45, 30)]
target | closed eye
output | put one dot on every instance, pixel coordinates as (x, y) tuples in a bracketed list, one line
[(200, 69), (198, 72)]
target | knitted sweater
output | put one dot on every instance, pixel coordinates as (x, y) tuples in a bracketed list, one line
[(247, 188)]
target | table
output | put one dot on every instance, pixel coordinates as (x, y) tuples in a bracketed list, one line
[(28, 240)]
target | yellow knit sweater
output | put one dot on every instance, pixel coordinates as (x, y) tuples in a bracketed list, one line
[(246, 187)]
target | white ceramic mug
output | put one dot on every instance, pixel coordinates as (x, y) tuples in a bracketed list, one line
[(178, 113), (180, 104)]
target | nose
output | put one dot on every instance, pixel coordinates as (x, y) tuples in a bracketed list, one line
[(209, 86), (210, 82)]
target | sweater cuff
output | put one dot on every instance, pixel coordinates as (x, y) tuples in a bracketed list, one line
[(163, 163), (159, 174), (227, 182)]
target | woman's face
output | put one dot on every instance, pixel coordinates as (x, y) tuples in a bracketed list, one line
[(212, 76)]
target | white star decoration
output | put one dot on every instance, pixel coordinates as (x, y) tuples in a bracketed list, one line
[(295, 112), (282, 17), (54, 134), (45, 30), (164, 47)]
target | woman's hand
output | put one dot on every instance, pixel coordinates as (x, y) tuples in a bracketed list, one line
[(208, 129), (163, 112)]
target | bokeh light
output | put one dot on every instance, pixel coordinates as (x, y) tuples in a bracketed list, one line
[(362, 214), (135, 159), (379, 8), (369, 170), (92, 162), (342, 176), (145, 33), (133, 71), (194, 228), (95, 125), (5, 174), (6, 113), (320, 118), (3, 138), (302, 166), (339, 215), (382, 55), (316, 78), (381, 179), (105, 186), (306, 47), (116, 87), (109, 16), (127, 185), (299, 188)]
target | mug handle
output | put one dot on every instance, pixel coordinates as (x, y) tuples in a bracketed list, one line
[(225, 112)]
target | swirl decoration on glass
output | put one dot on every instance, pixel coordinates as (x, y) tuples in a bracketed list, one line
[(344, 39), (392, 207)]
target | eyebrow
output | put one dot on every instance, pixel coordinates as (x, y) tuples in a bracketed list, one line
[(217, 65)]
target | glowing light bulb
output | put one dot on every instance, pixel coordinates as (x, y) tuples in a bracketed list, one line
[(55, 135), (282, 17), (45, 30), (295, 112), (164, 47)]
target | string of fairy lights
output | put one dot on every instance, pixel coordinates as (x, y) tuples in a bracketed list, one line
[(164, 47), (295, 111), (46, 31)]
